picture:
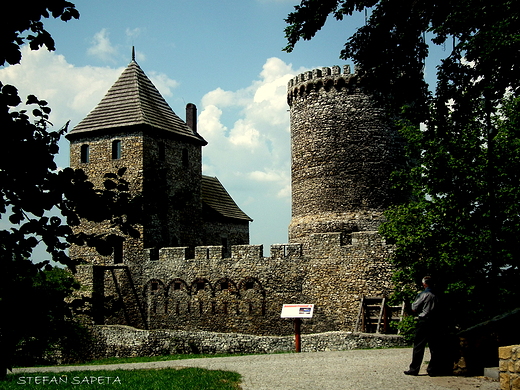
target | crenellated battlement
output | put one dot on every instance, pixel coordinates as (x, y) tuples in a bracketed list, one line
[(238, 252), (316, 79), (255, 252)]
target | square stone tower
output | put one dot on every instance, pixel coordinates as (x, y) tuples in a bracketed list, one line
[(134, 128)]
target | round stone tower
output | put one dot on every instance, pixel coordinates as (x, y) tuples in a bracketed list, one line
[(344, 149)]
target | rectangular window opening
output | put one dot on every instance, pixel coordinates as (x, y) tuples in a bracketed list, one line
[(118, 253), (116, 149), (85, 153), (162, 151)]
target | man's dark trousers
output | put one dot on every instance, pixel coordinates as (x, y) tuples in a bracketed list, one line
[(426, 332)]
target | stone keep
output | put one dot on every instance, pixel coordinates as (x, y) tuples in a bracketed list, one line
[(134, 128), (343, 152), (182, 275)]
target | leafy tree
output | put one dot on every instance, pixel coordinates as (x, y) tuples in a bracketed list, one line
[(39, 299), (461, 222), (42, 203), (22, 18)]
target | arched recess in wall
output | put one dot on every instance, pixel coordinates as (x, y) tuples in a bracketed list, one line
[(178, 295), (340, 84), (226, 297), (202, 294), (328, 85), (252, 296), (154, 294)]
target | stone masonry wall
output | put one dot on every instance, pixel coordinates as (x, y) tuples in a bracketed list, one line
[(99, 163), (215, 232), (244, 293), (171, 191), (125, 341), (509, 367), (164, 169), (338, 276), (343, 152)]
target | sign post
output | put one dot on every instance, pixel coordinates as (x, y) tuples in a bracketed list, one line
[(297, 334), (297, 312)]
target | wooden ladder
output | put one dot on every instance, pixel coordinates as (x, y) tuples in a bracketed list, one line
[(375, 314)]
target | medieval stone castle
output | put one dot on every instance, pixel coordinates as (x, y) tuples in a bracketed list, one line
[(192, 267)]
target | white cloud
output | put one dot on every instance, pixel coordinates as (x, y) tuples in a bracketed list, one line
[(281, 179), (209, 120), (140, 56), (163, 83), (255, 147), (102, 48), (70, 91), (220, 97), (266, 176), (245, 134), (133, 32)]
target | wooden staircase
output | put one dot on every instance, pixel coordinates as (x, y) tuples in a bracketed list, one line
[(375, 315)]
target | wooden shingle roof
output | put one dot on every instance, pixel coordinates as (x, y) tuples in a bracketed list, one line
[(134, 100), (217, 198)]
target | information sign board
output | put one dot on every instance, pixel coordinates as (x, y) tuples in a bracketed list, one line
[(297, 311)]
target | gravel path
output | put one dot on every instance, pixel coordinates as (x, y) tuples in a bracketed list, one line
[(375, 369)]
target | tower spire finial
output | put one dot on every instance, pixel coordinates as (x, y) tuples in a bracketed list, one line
[(133, 53)]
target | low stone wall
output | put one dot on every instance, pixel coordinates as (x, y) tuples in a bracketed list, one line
[(125, 341), (509, 366)]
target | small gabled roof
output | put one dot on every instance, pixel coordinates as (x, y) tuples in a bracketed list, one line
[(134, 100), (216, 197)]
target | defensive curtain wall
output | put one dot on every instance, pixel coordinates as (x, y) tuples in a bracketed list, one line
[(245, 292), (343, 151)]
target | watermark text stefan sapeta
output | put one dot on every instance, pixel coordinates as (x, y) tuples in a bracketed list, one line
[(63, 379)]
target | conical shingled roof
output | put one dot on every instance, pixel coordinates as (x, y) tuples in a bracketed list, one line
[(216, 197), (134, 100)]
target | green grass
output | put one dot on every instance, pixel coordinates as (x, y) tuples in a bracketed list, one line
[(144, 359), (166, 379)]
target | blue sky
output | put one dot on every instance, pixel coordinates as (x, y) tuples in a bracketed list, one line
[(225, 56)]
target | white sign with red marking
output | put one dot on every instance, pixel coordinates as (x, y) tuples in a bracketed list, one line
[(297, 311)]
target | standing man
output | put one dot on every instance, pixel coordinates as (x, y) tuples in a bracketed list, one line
[(426, 308)]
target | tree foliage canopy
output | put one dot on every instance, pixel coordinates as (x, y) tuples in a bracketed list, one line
[(23, 24), (41, 202), (462, 219)]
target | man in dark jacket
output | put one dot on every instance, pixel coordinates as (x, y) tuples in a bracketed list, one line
[(426, 308)]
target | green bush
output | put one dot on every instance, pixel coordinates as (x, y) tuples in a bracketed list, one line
[(406, 327)]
